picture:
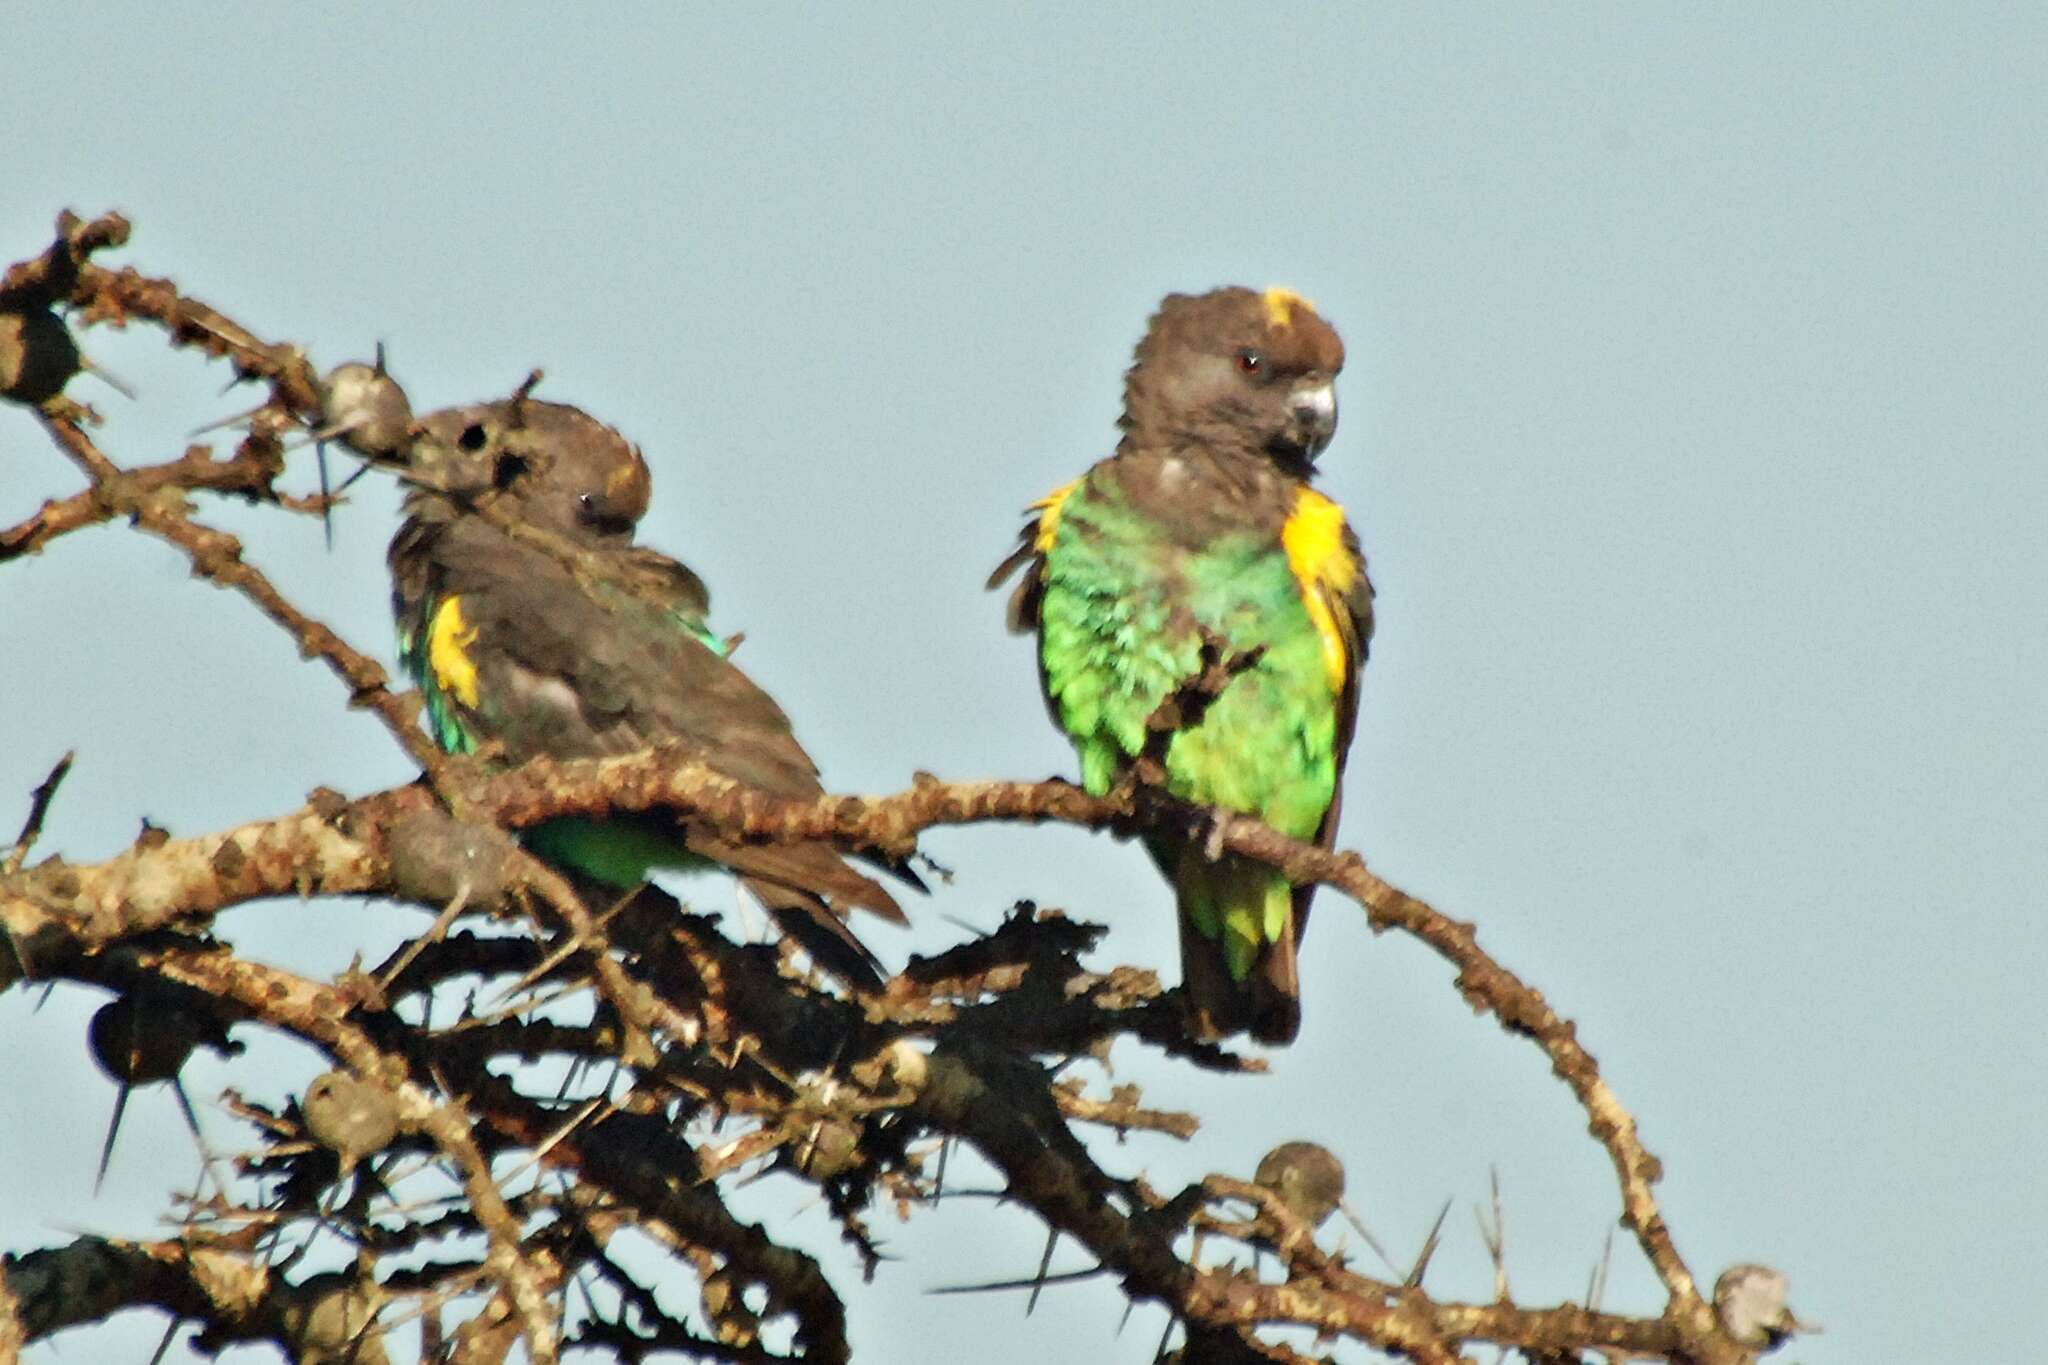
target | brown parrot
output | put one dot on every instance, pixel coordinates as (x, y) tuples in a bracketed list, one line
[(1202, 525), (542, 629)]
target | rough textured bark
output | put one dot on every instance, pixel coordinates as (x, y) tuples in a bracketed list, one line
[(680, 1024)]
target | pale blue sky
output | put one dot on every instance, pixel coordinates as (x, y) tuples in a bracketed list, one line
[(1693, 426)]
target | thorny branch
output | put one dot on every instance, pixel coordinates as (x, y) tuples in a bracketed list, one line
[(158, 506), (689, 1033)]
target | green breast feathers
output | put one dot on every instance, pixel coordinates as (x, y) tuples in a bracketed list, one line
[(1121, 612)]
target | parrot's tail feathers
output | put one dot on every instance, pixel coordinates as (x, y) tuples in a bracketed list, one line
[(1213, 1003), (1275, 989), (1237, 909), (812, 925), (815, 870)]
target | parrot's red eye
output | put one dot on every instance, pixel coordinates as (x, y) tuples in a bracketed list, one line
[(1250, 361)]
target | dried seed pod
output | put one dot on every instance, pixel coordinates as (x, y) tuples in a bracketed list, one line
[(350, 1115), (144, 1038), (1307, 1177), (1750, 1302), (829, 1147), (363, 407), (331, 1319), (138, 1040), (37, 356), (436, 858)]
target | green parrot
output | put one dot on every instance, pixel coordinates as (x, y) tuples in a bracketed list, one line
[(1203, 519), (554, 634)]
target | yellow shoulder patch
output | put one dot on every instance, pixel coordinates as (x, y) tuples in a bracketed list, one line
[(448, 639), (1048, 509), (1324, 566), (1280, 306)]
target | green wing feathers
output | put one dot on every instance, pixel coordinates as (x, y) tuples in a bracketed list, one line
[(1120, 614)]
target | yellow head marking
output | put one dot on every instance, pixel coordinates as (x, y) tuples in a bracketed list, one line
[(1048, 509), (1325, 567), (1280, 306), (447, 642)]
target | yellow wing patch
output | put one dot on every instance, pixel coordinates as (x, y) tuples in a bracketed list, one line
[(448, 640), (1280, 306), (1048, 509), (1325, 567)]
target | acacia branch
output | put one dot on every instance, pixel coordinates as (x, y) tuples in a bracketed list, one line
[(889, 824), (308, 850), (543, 789), (91, 1278), (65, 273), (158, 507), (249, 472), (320, 1014), (702, 1024)]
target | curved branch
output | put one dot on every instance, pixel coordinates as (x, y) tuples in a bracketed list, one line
[(217, 556), (335, 847), (543, 789), (719, 1002)]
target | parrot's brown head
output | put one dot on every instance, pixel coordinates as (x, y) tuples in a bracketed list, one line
[(1236, 368), (556, 466)]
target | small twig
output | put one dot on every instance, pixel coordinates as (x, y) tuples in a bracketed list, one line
[(1184, 707), (1123, 1112), (434, 933), (38, 807), (216, 555)]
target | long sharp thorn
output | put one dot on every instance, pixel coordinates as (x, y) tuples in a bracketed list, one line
[(1351, 1217), (1422, 1257), (231, 418), (206, 1162), (1035, 1282), (1052, 1237), (334, 431), (1596, 1290), (326, 497), (110, 379), (185, 1107), (170, 1334), (1159, 1353), (113, 1131)]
